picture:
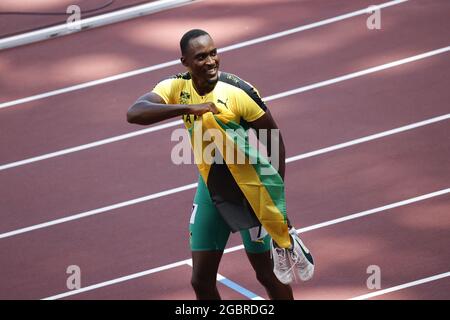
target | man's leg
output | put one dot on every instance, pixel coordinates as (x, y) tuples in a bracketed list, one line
[(209, 235), (262, 264), (258, 252), (204, 273)]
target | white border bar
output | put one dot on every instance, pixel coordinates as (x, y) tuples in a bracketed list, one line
[(88, 23)]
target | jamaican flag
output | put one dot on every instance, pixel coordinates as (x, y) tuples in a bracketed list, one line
[(245, 188)]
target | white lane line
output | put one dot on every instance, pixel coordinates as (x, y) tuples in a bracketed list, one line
[(369, 138), (240, 247), (266, 99), (89, 23), (118, 280), (234, 286), (194, 185), (177, 61), (361, 73), (375, 210), (402, 286), (360, 214), (311, 26), (90, 145), (98, 211)]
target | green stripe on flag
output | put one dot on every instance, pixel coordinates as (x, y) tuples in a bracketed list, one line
[(272, 182)]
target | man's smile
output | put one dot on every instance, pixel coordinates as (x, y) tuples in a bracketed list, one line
[(212, 71)]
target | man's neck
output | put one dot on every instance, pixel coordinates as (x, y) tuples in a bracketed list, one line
[(203, 88)]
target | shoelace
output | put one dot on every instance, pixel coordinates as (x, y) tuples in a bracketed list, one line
[(282, 256), (282, 262), (298, 259)]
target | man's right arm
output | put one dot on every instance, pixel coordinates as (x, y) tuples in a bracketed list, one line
[(151, 108)]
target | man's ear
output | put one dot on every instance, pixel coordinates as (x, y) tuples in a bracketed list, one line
[(183, 61)]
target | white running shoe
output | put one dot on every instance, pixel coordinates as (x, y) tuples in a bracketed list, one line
[(282, 267), (300, 257)]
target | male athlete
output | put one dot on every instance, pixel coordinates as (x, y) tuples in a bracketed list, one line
[(219, 206)]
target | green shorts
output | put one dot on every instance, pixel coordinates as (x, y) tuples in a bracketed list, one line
[(208, 230)]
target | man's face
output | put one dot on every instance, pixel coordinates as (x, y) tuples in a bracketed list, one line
[(202, 60)]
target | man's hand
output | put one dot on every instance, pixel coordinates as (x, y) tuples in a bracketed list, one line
[(199, 109)]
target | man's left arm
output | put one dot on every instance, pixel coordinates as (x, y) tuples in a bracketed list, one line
[(267, 122)]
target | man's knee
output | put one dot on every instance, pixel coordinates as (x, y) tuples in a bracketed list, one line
[(203, 284)]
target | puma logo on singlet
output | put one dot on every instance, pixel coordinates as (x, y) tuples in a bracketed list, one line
[(224, 103)]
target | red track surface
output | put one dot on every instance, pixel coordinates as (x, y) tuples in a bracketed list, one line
[(408, 243)]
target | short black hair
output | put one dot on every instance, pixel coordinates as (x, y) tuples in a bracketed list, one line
[(191, 34)]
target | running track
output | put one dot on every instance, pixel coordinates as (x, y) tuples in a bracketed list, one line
[(408, 241)]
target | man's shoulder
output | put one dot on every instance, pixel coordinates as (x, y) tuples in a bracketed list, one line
[(232, 79), (184, 76), (181, 76), (242, 87)]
